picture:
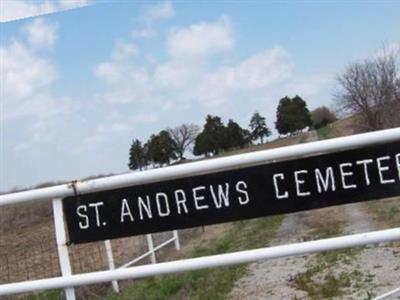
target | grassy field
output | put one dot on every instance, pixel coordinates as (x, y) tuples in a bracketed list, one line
[(237, 236), (324, 132), (242, 235), (205, 284), (50, 295), (219, 281)]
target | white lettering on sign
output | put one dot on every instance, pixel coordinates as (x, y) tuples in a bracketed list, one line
[(281, 176), (345, 174), (361, 171), (197, 198), (242, 190), (398, 164), (166, 212), (80, 210), (144, 206), (307, 183), (83, 214), (328, 181), (299, 183), (365, 164), (180, 198), (125, 211), (96, 208), (383, 169), (223, 196), (162, 205)]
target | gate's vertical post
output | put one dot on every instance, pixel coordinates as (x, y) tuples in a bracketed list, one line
[(62, 247), (151, 248), (177, 243), (111, 264)]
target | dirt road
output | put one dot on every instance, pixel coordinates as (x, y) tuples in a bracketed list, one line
[(348, 274)]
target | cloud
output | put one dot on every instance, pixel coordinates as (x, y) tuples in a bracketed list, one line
[(41, 34), (188, 50), (27, 76), (124, 81), (152, 14), (14, 10), (176, 74), (143, 32), (163, 10), (309, 86), (201, 39), (119, 67), (258, 72), (261, 70), (124, 51), (189, 75), (21, 147), (19, 9), (114, 126), (108, 72), (125, 91), (70, 4)]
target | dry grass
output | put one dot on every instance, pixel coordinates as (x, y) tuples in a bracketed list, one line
[(385, 212), (27, 243)]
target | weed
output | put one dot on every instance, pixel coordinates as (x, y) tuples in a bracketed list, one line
[(50, 295), (319, 280), (210, 283), (324, 132)]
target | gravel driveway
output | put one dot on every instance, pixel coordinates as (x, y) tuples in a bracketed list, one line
[(273, 279)]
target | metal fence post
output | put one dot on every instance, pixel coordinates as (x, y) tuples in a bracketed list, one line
[(111, 264), (151, 248), (177, 243), (62, 247)]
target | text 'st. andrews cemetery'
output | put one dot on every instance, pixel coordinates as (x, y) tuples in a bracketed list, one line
[(263, 190)]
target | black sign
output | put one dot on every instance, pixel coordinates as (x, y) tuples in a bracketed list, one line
[(270, 189)]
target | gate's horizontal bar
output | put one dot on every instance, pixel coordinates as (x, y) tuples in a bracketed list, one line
[(388, 294), (203, 262), (205, 166)]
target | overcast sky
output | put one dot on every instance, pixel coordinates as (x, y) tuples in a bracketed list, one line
[(80, 79)]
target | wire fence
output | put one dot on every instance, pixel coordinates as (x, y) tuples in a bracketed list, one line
[(28, 249)]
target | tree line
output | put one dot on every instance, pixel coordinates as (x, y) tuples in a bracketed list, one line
[(214, 137)]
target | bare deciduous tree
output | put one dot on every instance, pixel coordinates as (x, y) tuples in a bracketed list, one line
[(371, 90), (183, 135)]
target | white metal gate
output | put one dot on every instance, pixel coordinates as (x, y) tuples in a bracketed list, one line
[(67, 281)]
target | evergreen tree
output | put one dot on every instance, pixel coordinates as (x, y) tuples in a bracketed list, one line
[(234, 136), (283, 116), (303, 114), (202, 145), (137, 157), (211, 139), (161, 148), (292, 115), (258, 128)]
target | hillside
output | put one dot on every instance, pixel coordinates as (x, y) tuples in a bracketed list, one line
[(27, 251)]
